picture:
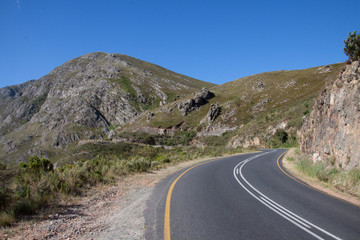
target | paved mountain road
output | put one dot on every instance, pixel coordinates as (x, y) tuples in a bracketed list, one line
[(245, 197)]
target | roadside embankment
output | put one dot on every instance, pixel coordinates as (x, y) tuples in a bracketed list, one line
[(339, 183)]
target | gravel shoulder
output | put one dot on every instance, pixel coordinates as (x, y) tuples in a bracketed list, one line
[(107, 212)]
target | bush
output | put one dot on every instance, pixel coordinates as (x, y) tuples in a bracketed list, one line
[(25, 206), (352, 46), (5, 197), (278, 139), (354, 176), (6, 219)]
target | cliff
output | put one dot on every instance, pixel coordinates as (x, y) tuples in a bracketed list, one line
[(332, 131)]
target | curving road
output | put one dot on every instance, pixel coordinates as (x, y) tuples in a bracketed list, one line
[(245, 197)]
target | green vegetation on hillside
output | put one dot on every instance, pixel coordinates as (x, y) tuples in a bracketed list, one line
[(125, 84), (255, 105)]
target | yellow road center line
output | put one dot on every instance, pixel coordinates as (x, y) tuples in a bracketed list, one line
[(167, 235), (168, 200)]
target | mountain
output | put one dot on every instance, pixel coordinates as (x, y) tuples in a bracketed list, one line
[(83, 99), (101, 97)]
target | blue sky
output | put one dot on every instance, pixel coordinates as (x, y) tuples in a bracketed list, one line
[(215, 41)]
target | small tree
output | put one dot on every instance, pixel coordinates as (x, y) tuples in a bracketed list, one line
[(352, 46)]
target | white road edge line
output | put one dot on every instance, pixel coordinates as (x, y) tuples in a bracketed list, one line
[(267, 201)]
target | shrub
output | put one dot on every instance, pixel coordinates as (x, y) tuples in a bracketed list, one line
[(352, 46), (25, 206), (354, 176), (36, 165), (278, 139), (5, 197), (6, 219)]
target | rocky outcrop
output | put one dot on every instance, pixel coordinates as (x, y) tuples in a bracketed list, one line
[(213, 113), (170, 131), (217, 129), (150, 116), (245, 141), (333, 129), (259, 86), (259, 106), (196, 102)]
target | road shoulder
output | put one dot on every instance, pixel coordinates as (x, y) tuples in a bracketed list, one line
[(315, 183)]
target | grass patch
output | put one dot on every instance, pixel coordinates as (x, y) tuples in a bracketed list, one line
[(125, 84)]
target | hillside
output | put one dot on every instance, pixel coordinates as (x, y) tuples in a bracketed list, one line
[(83, 99), (114, 97), (244, 112)]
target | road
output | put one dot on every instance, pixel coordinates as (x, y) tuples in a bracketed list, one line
[(245, 197)]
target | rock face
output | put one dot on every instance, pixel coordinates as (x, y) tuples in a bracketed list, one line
[(245, 142), (81, 99), (213, 113), (333, 129), (196, 102)]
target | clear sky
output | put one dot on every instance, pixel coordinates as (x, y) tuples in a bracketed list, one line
[(214, 41)]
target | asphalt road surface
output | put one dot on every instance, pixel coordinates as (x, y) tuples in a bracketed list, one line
[(245, 197)]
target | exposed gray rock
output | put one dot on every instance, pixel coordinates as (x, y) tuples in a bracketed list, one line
[(259, 105), (259, 86), (111, 134), (324, 69), (245, 141), (196, 102), (216, 129), (290, 83), (213, 113), (149, 117), (170, 131)]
